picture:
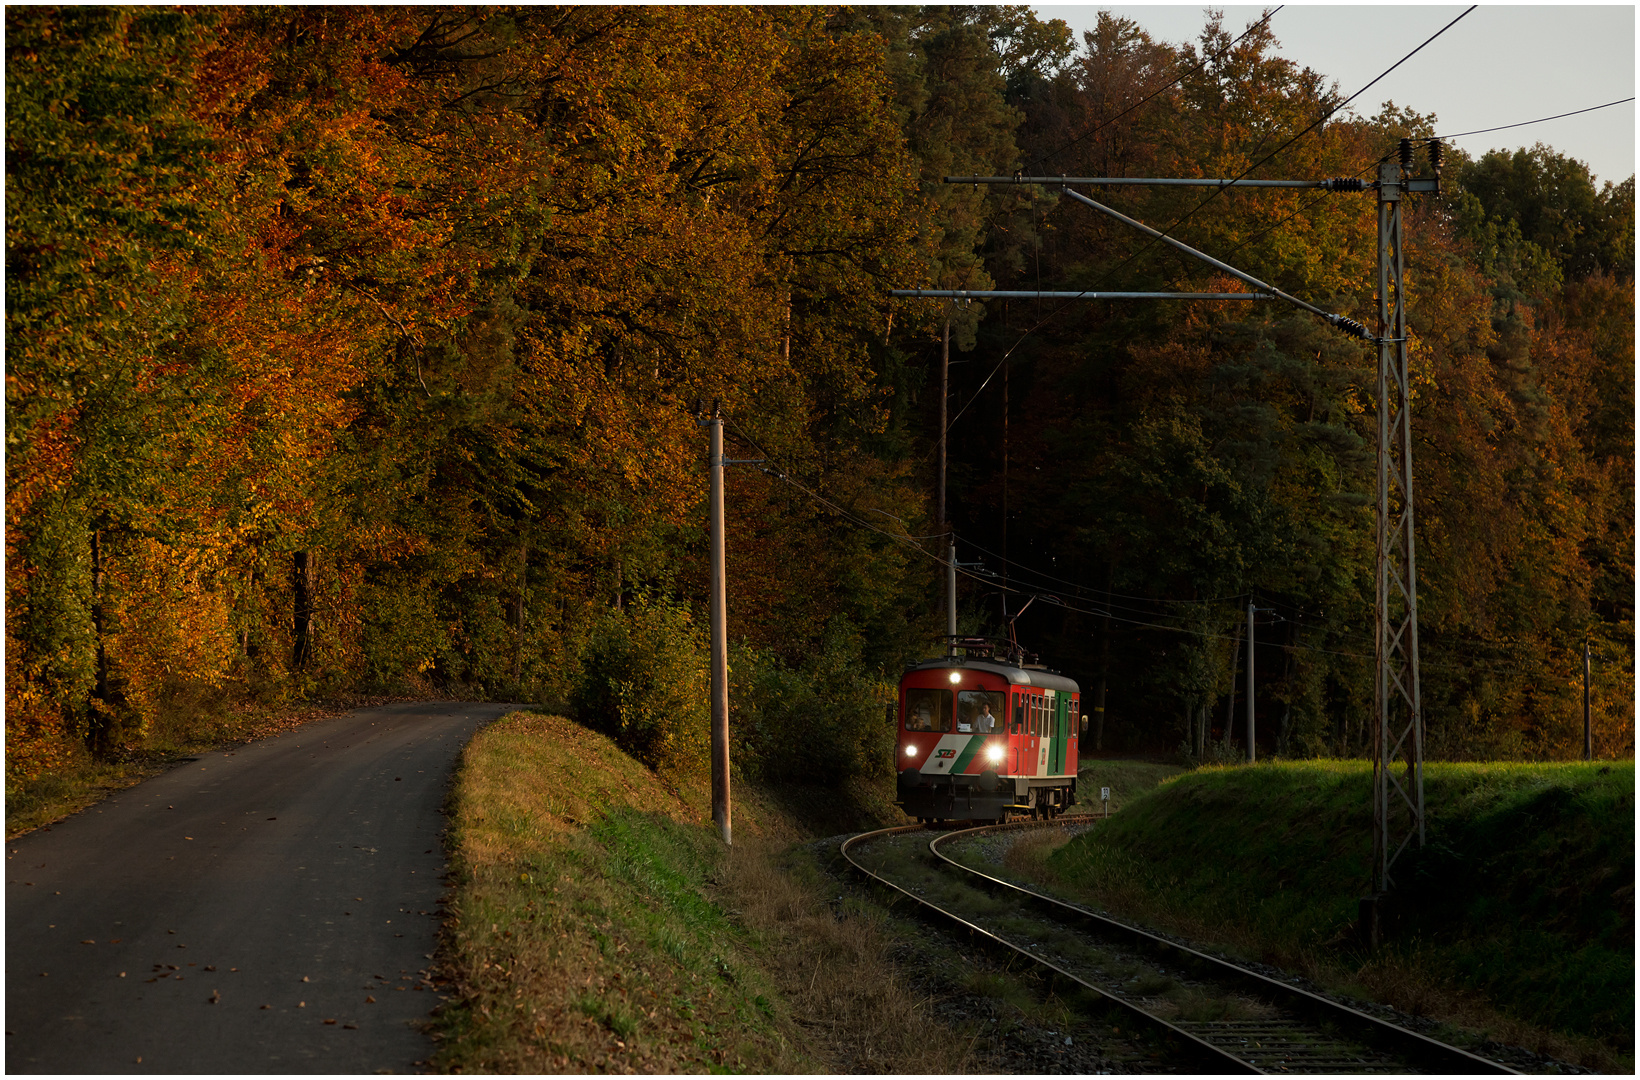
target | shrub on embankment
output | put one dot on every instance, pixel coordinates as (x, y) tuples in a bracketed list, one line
[(1524, 891)]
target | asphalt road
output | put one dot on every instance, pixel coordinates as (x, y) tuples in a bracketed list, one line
[(268, 909)]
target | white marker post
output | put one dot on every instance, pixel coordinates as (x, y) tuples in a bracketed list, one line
[(1104, 797)]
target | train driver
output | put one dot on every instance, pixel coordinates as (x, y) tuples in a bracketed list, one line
[(985, 722)]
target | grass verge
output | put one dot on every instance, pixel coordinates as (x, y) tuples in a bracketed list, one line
[(1516, 918), (597, 924)]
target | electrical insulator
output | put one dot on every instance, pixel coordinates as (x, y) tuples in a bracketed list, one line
[(1345, 183), (1406, 153), (1350, 326), (1435, 152)]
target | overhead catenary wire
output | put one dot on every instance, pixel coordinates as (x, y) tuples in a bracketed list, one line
[(1539, 120), (1318, 200), (1271, 156), (1192, 212), (991, 581)]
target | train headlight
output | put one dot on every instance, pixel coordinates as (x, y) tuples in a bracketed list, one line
[(911, 751), (994, 752), (956, 676)]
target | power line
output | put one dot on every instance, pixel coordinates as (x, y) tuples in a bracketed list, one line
[(1319, 121), (1216, 191), (990, 581), (1540, 120)]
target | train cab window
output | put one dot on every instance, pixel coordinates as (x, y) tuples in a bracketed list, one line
[(979, 711), (927, 710)]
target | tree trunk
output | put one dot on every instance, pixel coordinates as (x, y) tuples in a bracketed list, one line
[(301, 581), (101, 721), (518, 613)]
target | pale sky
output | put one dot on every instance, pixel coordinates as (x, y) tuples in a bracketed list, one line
[(1501, 64)]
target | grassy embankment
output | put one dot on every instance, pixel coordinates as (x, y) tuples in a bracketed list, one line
[(597, 924), (1517, 917)]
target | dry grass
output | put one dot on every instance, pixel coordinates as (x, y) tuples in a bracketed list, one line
[(598, 925), (829, 959)]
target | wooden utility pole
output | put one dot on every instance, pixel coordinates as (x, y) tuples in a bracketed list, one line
[(1588, 718), (1252, 743), (720, 636), (945, 396)]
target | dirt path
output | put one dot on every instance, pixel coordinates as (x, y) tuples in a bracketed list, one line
[(240, 913)]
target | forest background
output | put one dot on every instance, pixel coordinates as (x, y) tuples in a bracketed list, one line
[(364, 350)]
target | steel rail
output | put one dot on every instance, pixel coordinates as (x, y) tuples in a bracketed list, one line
[(1215, 1058), (1416, 1048)]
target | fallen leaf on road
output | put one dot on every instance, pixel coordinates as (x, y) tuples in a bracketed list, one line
[(301, 1004), (370, 1001), (351, 1027), (330, 1021), (267, 1006), (304, 978), (115, 941), (208, 967), (88, 941), (216, 996)]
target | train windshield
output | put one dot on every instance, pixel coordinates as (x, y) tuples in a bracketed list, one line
[(927, 710), (979, 711)]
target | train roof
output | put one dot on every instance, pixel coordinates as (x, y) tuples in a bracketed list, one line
[(1015, 674)]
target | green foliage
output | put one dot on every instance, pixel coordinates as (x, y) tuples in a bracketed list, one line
[(1522, 891), (821, 720), (1549, 201), (645, 682), (430, 296)]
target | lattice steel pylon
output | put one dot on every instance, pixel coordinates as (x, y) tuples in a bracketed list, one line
[(1398, 721)]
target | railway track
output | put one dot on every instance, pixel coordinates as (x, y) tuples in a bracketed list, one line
[(1217, 1016)]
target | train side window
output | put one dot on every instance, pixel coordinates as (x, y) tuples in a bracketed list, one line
[(1015, 722), (927, 710)]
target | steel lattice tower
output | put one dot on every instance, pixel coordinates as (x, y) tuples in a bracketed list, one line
[(1398, 722)]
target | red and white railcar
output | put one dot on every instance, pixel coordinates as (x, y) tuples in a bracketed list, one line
[(985, 737)]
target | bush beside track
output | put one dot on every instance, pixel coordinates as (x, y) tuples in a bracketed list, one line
[(1522, 899)]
